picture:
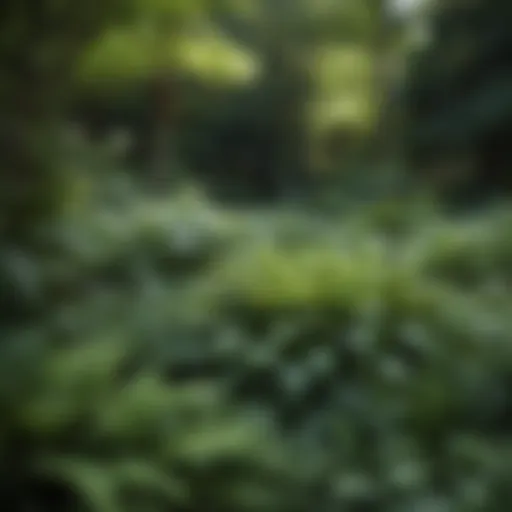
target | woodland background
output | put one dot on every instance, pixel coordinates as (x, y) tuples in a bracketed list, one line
[(255, 255)]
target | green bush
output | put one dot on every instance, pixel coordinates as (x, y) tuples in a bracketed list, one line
[(283, 363), (474, 253), (82, 433), (401, 377)]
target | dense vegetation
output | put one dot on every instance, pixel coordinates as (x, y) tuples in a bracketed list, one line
[(183, 357), (344, 347)]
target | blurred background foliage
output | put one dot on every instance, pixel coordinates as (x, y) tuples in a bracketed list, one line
[(255, 256)]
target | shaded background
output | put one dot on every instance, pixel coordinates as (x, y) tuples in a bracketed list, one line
[(255, 255)]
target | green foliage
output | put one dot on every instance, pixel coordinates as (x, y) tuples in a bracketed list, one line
[(269, 95), (282, 362), (133, 55), (171, 354), (37, 66), (115, 443)]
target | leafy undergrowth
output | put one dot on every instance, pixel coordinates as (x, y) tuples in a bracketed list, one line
[(184, 357)]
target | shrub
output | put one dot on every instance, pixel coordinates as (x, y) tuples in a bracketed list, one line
[(381, 367), (292, 367), (82, 433)]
